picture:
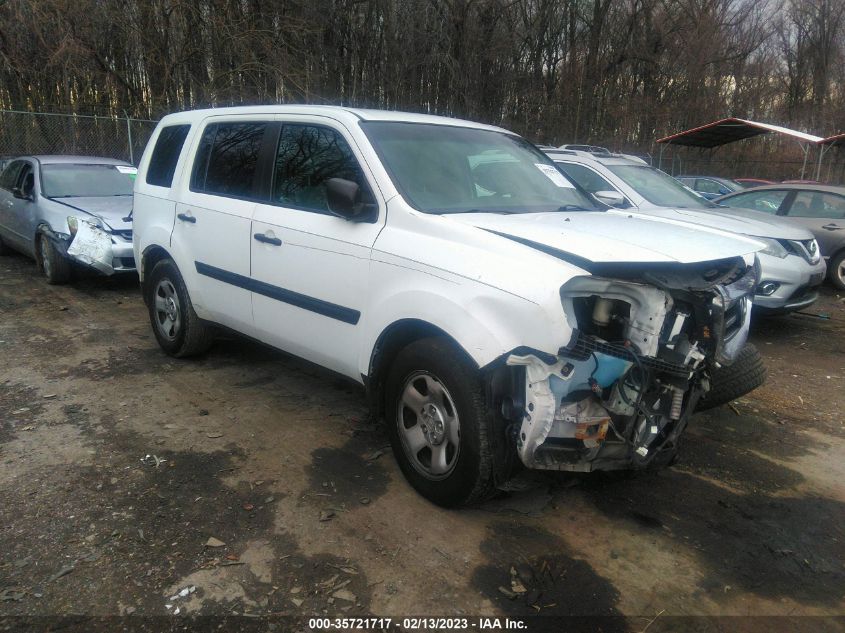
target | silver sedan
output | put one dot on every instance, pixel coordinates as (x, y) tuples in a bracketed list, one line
[(63, 209)]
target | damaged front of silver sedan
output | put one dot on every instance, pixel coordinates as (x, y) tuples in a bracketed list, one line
[(645, 343), (68, 210)]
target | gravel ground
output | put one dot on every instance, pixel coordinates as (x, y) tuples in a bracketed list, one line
[(257, 483)]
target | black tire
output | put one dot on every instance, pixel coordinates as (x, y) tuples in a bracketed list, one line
[(53, 264), (475, 467), (733, 381), (4, 250), (836, 270), (177, 328)]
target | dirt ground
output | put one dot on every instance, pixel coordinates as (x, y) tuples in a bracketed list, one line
[(257, 483)]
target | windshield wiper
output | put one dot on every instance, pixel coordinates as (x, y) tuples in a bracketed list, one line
[(574, 207)]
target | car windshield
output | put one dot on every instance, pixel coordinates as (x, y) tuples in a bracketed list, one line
[(68, 180), (659, 187), (450, 169)]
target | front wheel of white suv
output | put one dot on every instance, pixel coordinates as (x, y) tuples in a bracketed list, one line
[(440, 428), (177, 328)]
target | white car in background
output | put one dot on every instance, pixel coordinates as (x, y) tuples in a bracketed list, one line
[(791, 264), (493, 311)]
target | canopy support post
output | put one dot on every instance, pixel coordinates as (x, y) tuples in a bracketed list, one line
[(822, 151), (805, 148)]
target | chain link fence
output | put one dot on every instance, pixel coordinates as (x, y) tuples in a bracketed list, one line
[(49, 133)]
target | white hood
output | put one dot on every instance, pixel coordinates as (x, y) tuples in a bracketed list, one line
[(603, 237)]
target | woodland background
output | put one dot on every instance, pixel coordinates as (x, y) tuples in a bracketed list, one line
[(619, 73)]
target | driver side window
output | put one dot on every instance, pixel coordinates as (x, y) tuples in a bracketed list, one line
[(26, 180), (9, 177), (308, 156), (586, 177)]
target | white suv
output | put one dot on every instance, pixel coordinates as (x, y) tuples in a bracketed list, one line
[(491, 309)]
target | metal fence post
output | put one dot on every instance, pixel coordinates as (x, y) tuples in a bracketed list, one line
[(129, 137)]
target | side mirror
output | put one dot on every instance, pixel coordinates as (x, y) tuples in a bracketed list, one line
[(346, 200), (611, 198)]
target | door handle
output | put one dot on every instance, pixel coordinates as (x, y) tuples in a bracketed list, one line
[(275, 241), (186, 218), (832, 227)]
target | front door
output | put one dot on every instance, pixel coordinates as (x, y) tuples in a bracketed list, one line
[(311, 268)]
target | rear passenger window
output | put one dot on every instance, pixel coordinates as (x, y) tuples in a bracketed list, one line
[(307, 156), (227, 158), (166, 155), (817, 204)]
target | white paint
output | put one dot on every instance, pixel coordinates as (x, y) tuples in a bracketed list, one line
[(487, 291)]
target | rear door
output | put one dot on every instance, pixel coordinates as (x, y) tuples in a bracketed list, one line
[(213, 218), (823, 213), (311, 268)]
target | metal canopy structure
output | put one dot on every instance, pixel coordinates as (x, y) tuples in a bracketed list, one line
[(729, 130), (837, 140)]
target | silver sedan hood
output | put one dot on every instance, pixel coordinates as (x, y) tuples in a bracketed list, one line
[(110, 209)]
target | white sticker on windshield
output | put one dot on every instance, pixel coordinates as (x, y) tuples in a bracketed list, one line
[(125, 169), (554, 175)]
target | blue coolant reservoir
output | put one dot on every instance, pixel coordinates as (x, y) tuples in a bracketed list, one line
[(610, 369), (603, 368)]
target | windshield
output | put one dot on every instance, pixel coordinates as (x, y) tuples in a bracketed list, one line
[(448, 169), (659, 187), (67, 180)]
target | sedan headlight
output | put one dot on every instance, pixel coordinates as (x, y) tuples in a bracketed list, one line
[(73, 223), (773, 247)]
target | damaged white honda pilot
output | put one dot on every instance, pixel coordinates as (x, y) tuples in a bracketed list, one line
[(493, 311)]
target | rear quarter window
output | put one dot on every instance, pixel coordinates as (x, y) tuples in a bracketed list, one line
[(166, 153)]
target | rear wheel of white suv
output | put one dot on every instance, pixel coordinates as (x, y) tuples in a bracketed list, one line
[(178, 329), (440, 428)]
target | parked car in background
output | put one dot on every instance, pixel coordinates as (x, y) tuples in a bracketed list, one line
[(710, 186), (748, 183), (819, 208), (449, 268), (64, 209), (791, 266)]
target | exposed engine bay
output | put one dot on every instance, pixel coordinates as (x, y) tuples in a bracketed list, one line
[(620, 394)]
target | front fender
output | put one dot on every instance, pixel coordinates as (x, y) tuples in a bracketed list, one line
[(485, 322)]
